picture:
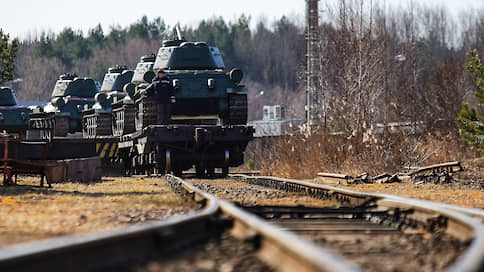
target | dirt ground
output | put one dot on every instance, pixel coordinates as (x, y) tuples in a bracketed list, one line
[(29, 212)]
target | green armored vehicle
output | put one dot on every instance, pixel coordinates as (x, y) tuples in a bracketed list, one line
[(98, 120), (208, 127), (63, 114), (205, 94), (13, 117), (124, 110)]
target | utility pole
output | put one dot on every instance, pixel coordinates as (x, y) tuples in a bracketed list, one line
[(313, 69)]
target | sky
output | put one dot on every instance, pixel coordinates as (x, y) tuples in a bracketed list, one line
[(23, 17)]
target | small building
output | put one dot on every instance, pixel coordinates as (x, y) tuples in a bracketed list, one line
[(274, 124)]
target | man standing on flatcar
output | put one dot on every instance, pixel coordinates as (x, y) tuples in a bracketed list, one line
[(165, 95)]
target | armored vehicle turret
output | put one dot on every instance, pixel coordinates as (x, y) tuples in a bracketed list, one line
[(98, 120), (13, 117), (205, 94), (115, 79), (64, 112), (7, 97), (143, 73)]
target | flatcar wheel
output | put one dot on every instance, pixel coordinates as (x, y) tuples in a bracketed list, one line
[(200, 171), (177, 172), (225, 171), (210, 172), (161, 170), (126, 165), (133, 169)]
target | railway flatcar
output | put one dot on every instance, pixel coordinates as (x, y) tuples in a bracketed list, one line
[(208, 129)]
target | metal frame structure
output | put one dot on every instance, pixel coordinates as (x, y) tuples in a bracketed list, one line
[(38, 156), (314, 111)]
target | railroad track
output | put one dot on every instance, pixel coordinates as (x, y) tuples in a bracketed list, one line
[(242, 230), (135, 247), (371, 239), (322, 191), (378, 232)]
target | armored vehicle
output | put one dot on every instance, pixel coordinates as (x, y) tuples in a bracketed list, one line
[(63, 114), (123, 110), (98, 120), (208, 127), (13, 117), (205, 94)]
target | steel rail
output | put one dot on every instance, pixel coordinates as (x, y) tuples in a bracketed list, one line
[(281, 249), (460, 221), (477, 213)]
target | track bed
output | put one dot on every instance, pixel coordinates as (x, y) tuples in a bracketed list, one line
[(370, 243), (221, 253), (250, 195)]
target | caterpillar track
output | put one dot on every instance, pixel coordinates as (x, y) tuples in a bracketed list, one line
[(238, 109)]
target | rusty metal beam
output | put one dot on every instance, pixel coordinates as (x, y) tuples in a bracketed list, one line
[(335, 176), (448, 165)]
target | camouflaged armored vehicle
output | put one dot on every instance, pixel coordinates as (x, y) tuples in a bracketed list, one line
[(124, 110), (13, 117), (98, 120), (63, 114)]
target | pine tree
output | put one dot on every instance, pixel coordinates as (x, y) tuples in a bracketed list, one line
[(469, 121), (8, 50)]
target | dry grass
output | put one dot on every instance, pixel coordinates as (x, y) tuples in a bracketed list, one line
[(30, 212), (303, 157), (467, 188)]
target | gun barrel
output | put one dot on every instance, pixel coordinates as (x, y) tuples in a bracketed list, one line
[(178, 32)]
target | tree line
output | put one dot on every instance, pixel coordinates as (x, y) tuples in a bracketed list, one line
[(8, 52), (362, 81), (257, 51), (383, 65)]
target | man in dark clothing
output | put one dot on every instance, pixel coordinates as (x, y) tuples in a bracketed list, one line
[(165, 96)]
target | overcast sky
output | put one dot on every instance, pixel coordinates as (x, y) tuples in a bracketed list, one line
[(21, 17)]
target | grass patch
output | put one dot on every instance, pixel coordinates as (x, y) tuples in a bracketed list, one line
[(30, 212)]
